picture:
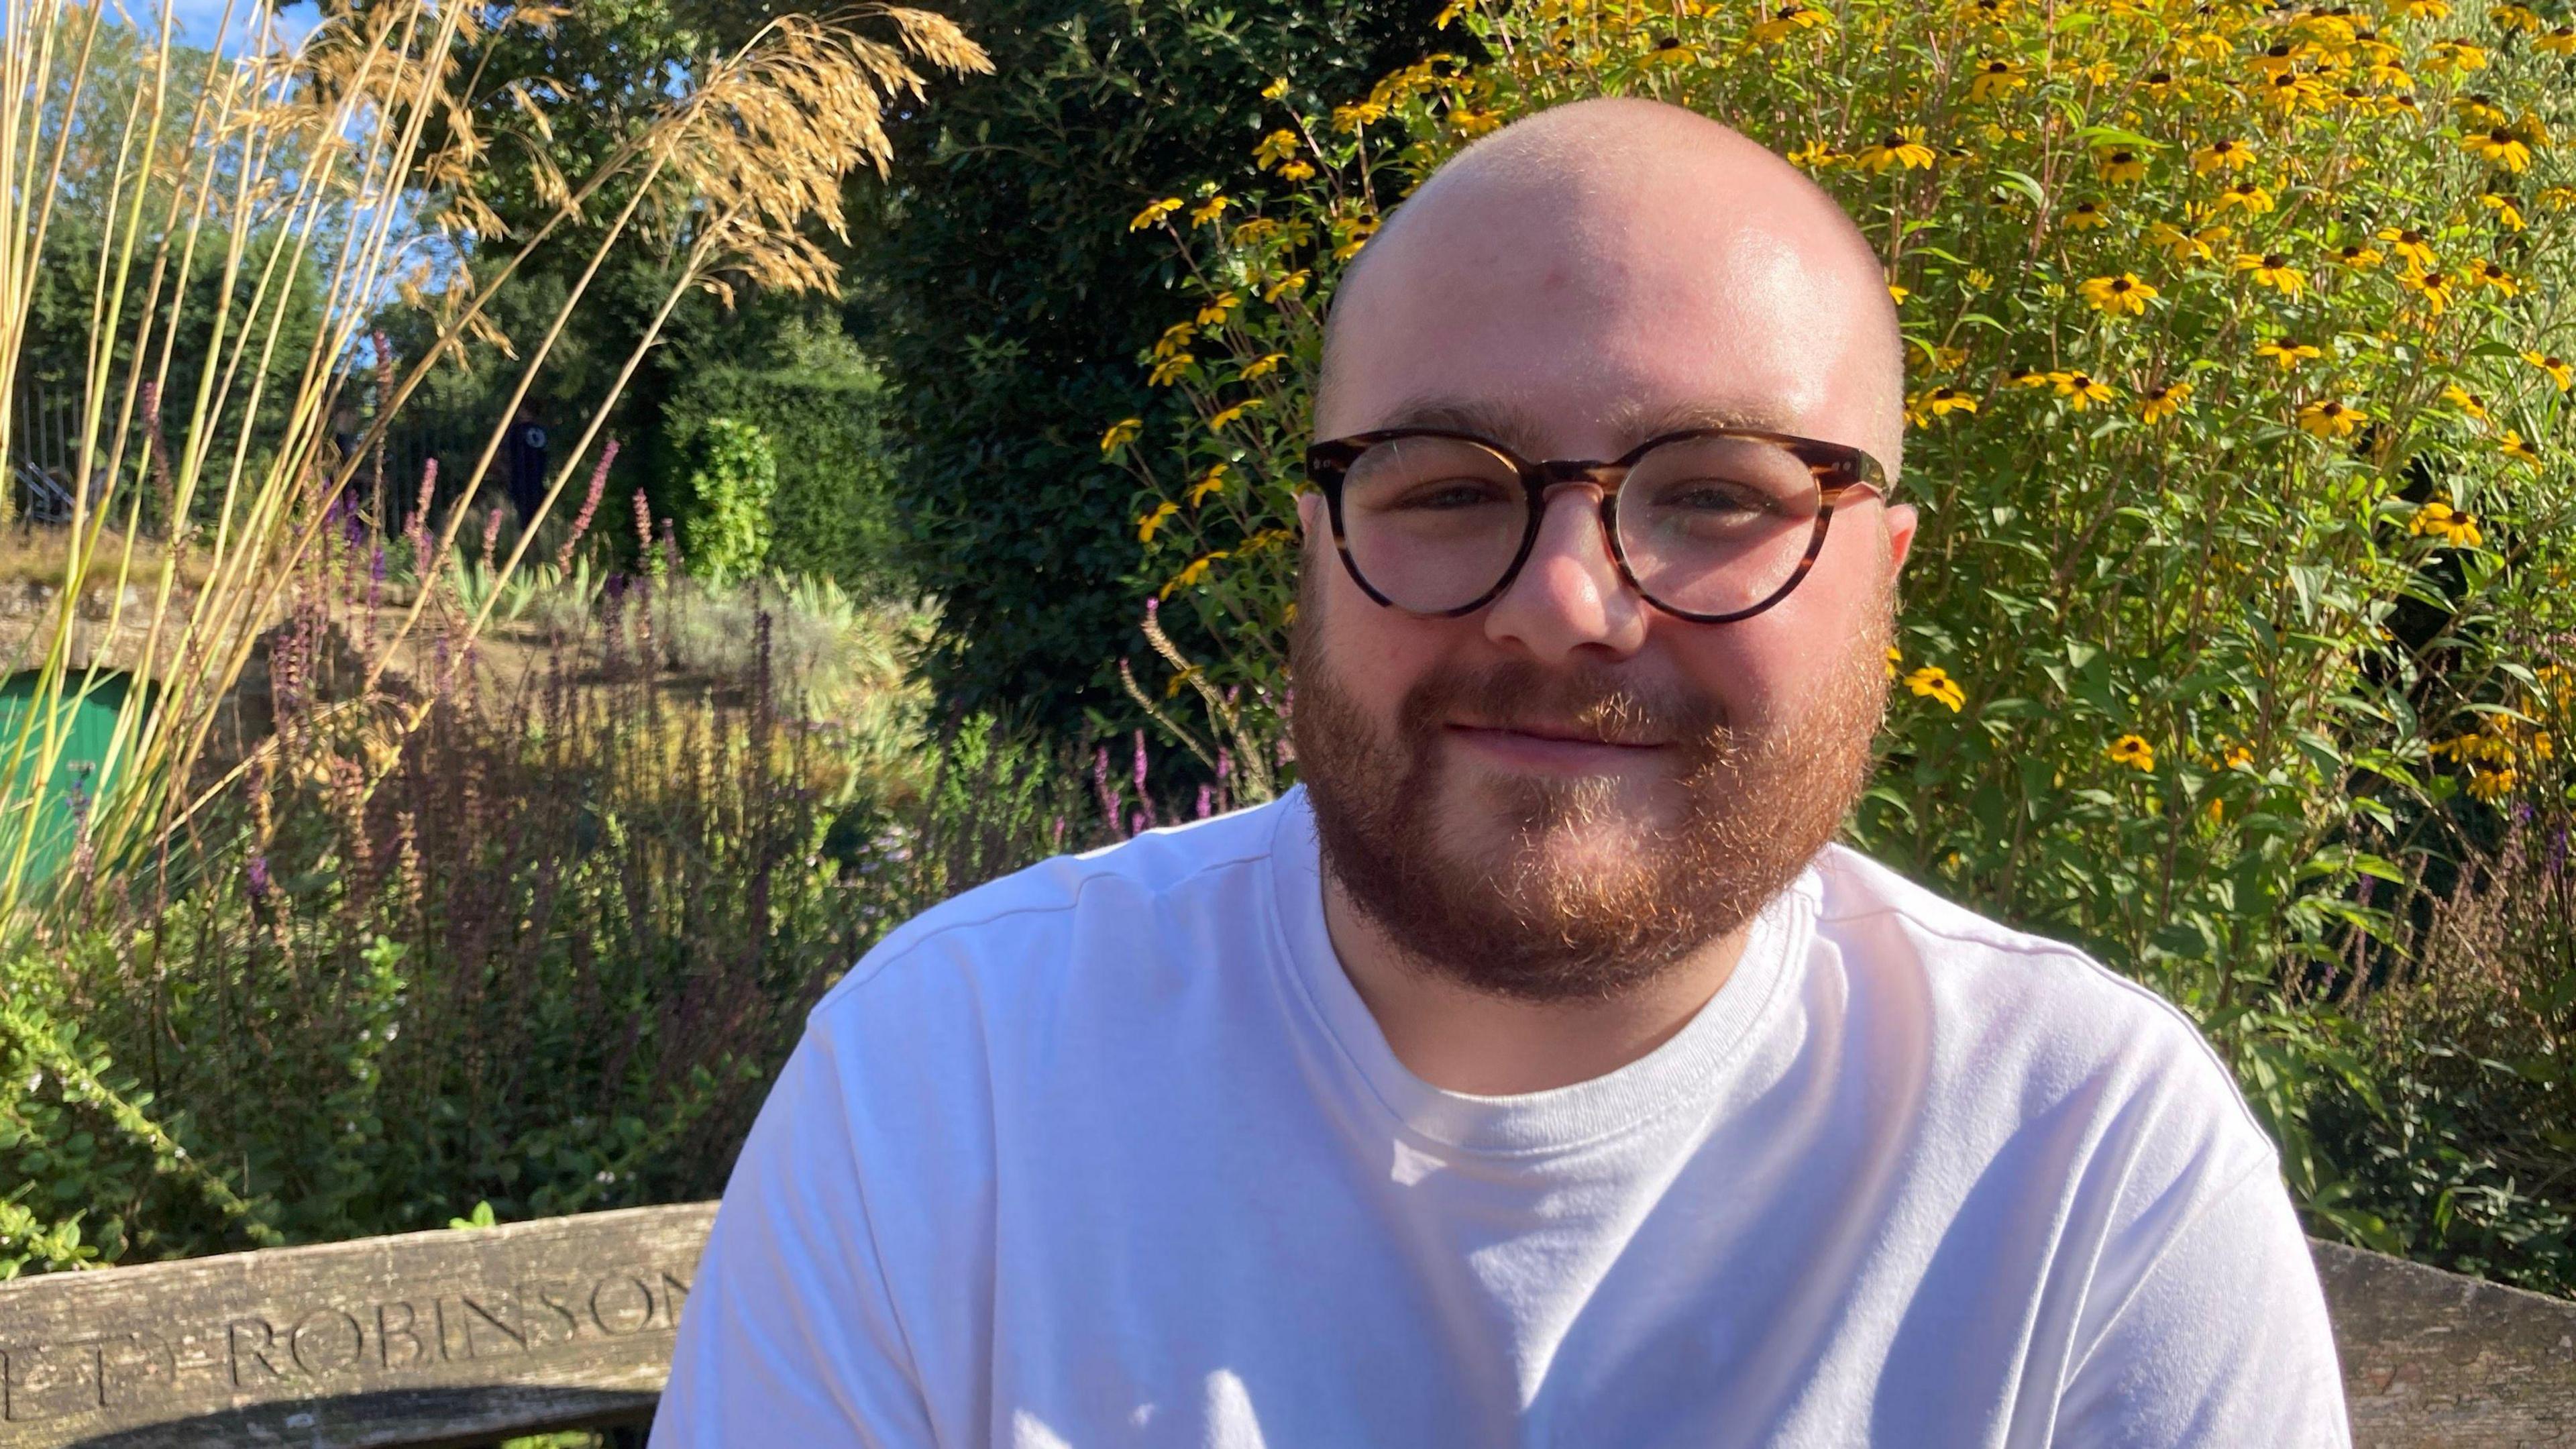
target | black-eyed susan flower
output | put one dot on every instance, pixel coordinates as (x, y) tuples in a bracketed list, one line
[(2411, 246), (2278, 59), (2491, 273), (2134, 752), (2500, 146), (2287, 353), (2031, 379), (1262, 366), (2185, 246), (2293, 91), (2120, 296), (2561, 41), (2253, 200), (1989, 79), (2455, 54), (2225, 154), (1288, 285), (2080, 389), (1171, 369), (1296, 171), (2330, 418), (1190, 575), (1152, 522), (1900, 147), (1210, 483), (1276, 147), (2506, 212), (2087, 216), (1934, 683), (1937, 402), (2438, 519), (2358, 256), (1786, 21), (1277, 88), (2273, 270), (2120, 165), (2469, 403), (2513, 17), (2515, 449), (1898, 294), (1234, 414), (1894, 655), (1816, 155), (1219, 308), (2164, 402), (2433, 287), (2158, 84), (1154, 213), (2558, 370), (1120, 434)]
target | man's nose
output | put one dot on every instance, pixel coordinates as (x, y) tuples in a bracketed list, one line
[(1569, 595)]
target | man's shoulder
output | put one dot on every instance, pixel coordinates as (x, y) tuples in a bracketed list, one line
[(1026, 921), (2022, 1012)]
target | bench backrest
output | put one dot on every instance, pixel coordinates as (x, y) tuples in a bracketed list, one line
[(460, 1337)]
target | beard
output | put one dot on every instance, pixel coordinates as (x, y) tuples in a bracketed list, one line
[(1568, 892)]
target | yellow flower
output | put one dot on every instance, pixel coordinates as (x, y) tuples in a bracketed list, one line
[(2513, 447), (2357, 256), (2328, 418), (1170, 369), (2504, 209), (1161, 515), (2555, 366), (2272, 270), (1934, 683), (2123, 295), (1175, 338), (2561, 41), (2289, 92), (1209, 212), (1262, 366), (1897, 294), (2031, 379), (2410, 245), (1216, 311), (1295, 171), (2134, 752), (1278, 87), (2186, 246), (2558, 198), (2081, 389), (2492, 785), (2441, 521), (2254, 199), (1212, 482), (1900, 147), (2230, 155), (1286, 286), (1474, 122), (2164, 402), (1786, 21), (1120, 434), (2120, 164), (2513, 17), (1276, 147), (2287, 353), (2087, 215), (2466, 401), (1155, 213), (1197, 570), (1351, 118), (2434, 287), (1940, 402), (2454, 54), (1234, 414), (1814, 156), (2501, 146), (2492, 274), (1993, 78)]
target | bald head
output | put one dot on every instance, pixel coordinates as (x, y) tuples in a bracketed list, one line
[(1657, 263)]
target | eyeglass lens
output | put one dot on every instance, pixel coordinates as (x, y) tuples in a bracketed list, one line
[(1707, 525)]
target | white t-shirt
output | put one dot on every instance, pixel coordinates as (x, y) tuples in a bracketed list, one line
[(1110, 1152)]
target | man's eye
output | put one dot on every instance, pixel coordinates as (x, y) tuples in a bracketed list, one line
[(1714, 497), (1448, 495)]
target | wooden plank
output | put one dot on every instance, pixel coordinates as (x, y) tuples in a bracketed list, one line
[(423, 1338), (461, 1337), (2437, 1359)]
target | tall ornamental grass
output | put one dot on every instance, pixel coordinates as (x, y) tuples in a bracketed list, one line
[(2239, 337), (306, 189)]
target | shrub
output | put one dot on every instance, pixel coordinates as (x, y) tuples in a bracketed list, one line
[(2237, 417), (727, 530)]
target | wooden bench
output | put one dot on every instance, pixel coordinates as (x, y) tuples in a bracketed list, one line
[(461, 1338)]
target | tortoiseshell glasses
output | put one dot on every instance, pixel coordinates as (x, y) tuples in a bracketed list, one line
[(1710, 524)]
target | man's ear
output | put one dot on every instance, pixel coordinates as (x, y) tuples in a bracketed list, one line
[(1310, 514), (1901, 519)]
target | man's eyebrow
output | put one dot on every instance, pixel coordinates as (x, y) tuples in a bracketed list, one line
[(1633, 422)]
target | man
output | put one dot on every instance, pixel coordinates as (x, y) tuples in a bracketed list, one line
[(1539, 1072)]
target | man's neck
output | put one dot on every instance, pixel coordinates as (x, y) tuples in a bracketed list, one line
[(1463, 1040)]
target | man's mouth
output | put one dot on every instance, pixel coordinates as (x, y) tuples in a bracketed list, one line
[(1553, 746)]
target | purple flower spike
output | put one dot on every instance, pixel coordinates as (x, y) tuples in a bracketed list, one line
[(257, 876), (1207, 802)]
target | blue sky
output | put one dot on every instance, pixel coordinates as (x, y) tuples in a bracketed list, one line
[(197, 19)]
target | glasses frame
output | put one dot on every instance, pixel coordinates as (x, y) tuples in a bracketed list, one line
[(1839, 470)]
